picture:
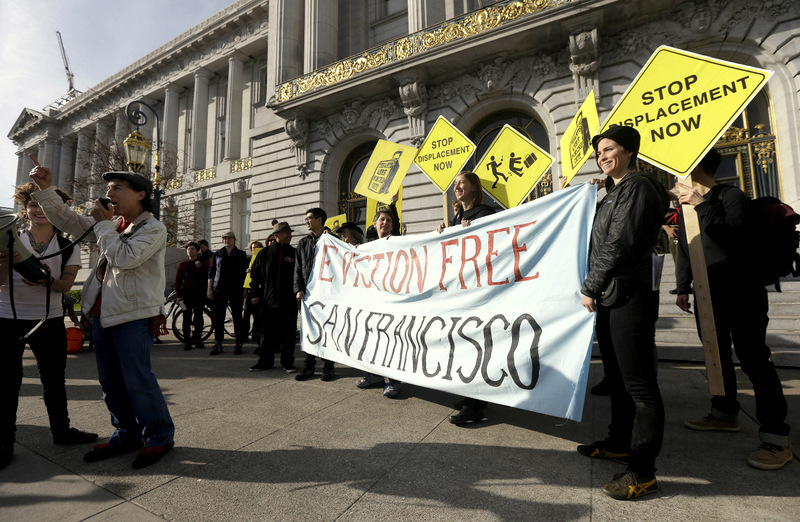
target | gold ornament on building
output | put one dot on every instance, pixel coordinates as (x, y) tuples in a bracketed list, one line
[(402, 48)]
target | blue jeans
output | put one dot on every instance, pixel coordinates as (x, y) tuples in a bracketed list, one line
[(133, 397)]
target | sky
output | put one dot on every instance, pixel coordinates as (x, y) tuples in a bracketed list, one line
[(99, 42)]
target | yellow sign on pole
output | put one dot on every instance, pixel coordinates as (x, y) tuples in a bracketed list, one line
[(333, 223), (385, 170), (444, 153), (512, 166), (576, 143), (252, 260), (373, 206), (681, 103)]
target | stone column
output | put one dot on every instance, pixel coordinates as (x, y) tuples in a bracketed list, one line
[(121, 130), (66, 163), (100, 159), (169, 144), (321, 34), (24, 166), (284, 43), (82, 168), (199, 119), (233, 117)]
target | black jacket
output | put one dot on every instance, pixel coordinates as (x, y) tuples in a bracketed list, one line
[(272, 276), (724, 217), (478, 211), (228, 271), (306, 250), (625, 229)]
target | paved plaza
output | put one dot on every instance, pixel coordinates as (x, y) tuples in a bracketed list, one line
[(261, 446)]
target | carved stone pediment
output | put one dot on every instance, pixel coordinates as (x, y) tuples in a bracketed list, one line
[(26, 119)]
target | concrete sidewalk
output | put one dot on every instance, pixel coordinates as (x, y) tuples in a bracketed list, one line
[(261, 446)]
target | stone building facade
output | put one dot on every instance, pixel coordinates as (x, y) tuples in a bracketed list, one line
[(271, 107)]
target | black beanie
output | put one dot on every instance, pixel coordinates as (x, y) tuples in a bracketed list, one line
[(626, 136)]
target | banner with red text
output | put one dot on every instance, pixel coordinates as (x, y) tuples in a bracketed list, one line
[(490, 311)]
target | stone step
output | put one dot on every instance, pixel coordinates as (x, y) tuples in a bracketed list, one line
[(782, 356), (683, 320), (688, 337)]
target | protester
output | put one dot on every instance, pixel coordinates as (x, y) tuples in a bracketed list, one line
[(467, 206), (226, 276), (625, 229), (21, 312), (272, 291), (383, 227), (739, 307), (249, 308), (351, 233), (204, 253), (190, 286), (131, 245), (304, 263), (68, 308)]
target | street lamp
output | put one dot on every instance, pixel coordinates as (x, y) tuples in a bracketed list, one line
[(137, 148)]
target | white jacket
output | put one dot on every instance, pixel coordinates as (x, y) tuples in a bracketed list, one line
[(133, 287)]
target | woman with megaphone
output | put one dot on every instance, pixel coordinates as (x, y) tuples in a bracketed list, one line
[(22, 307)]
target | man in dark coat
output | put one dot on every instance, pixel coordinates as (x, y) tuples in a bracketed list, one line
[(272, 286)]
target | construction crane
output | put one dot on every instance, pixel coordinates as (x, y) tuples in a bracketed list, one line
[(70, 76), (71, 93)]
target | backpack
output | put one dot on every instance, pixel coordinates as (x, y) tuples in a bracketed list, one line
[(66, 246), (776, 240)]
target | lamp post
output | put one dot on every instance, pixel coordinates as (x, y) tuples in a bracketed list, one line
[(136, 149)]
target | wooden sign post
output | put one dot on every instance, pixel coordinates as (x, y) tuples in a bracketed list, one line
[(702, 296)]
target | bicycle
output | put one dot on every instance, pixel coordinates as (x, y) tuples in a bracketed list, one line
[(208, 319), (177, 319)]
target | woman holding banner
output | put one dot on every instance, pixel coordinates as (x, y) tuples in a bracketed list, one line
[(468, 206), (383, 225), (620, 288)]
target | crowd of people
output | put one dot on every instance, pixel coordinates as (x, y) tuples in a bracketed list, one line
[(620, 289)]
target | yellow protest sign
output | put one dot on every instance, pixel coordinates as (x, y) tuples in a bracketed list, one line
[(385, 170), (682, 102), (576, 143), (333, 223), (373, 206), (252, 259), (512, 166), (444, 153)]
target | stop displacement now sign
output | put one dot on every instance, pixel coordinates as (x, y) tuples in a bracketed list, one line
[(681, 103), (444, 153)]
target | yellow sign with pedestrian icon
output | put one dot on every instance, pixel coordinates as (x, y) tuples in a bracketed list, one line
[(512, 166), (576, 143), (682, 102), (444, 153), (385, 170)]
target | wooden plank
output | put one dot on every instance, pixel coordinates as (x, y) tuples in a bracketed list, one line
[(704, 311)]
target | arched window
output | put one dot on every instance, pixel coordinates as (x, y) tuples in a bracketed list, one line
[(352, 204), (486, 130)]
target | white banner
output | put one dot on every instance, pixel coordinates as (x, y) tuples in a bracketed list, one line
[(490, 311)]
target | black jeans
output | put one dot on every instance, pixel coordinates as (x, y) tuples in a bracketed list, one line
[(278, 326), (626, 336), (49, 345), (255, 311), (740, 317), (193, 316), (222, 300)]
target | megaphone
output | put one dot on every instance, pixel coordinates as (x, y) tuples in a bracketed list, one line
[(29, 267)]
